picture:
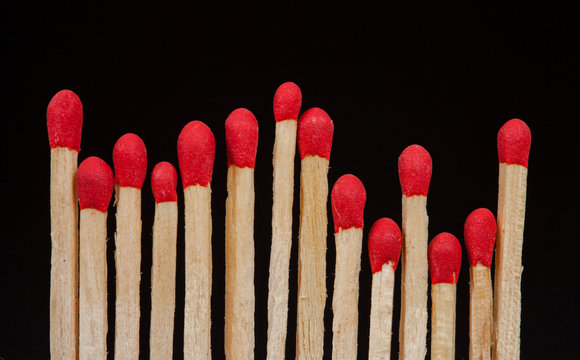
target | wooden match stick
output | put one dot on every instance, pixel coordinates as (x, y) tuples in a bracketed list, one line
[(315, 130), (384, 251), (196, 151), (415, 168), (130, 162), (287, 101), (64, 119), (348, 199), (479, 232), (163, 184), (513, 146), (241, 143), (95, 187), (444, 265)]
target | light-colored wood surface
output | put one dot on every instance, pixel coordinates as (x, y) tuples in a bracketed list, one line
[(480, 312), (381, 321), (443, 321)]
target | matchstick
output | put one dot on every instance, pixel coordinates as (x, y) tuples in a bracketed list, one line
[(385, 242), (287, 101), (513, 146), (315, 130), (415, 168), (444, 265), (163, 184), (348, 199), (64, 119), (241, 143), (196, 151), (479, 232), (130, 162), (95, 187)]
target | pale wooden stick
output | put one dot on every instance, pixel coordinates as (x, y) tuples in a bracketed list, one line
[(443, 321), (480, 313), (381, 313)]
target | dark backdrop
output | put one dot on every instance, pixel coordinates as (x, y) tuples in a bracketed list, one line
[(443, 78)]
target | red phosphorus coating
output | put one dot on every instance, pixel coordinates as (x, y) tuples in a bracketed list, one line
[(415, 167), (513, 143), (196, 152), (287, 101), (64, 119), (164, 182), (444, 256), (94, 184), (385, 242), (315, 130), (241, 138), (130, 161), (348, 199), (479, 232)]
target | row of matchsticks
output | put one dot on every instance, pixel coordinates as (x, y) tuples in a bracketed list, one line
[(78, 302)]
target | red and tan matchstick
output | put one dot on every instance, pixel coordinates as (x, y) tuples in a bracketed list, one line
[(348, 199), (64, 119), (95, 187), (241, 143), (196, 151), (444, 265), (513, 146), (287, 101), (315, 130), (415, 168), (130, 162), (479, 232), (385, 242), (163, 184)]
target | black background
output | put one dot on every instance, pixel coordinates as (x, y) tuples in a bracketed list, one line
[(443, 78)]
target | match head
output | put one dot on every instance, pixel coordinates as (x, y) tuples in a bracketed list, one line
[(348, 199), (241, 138), (94, 184), (415, 167), (444, 256), (385, 242), (196, 152), (164, 182), (130, 161), (64, 119), (479, 232), (513, 143), (315, 130), (287, 101)]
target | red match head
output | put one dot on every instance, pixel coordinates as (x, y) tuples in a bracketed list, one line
[(415, 168), (384, 244), (196, 152), (130, 161), (94, 184), (287, 101), (444, 255), (315, 130), (241, 138), (348, 199), (479, 231), (64, 119), (513, 143), (164, 182)]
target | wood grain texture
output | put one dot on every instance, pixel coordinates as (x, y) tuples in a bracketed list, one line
[(480, 312), (443, 321), (381, 319)]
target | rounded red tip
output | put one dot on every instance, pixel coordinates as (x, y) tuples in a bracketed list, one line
[(287, 101), (164, 182), (513, 143), (196, 152), (415, 169), (444, 256), (64, 119), (315, 130), (385, 244), (242, 138), (348, 199), (130, 161), (94, 184), (479, 232)]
